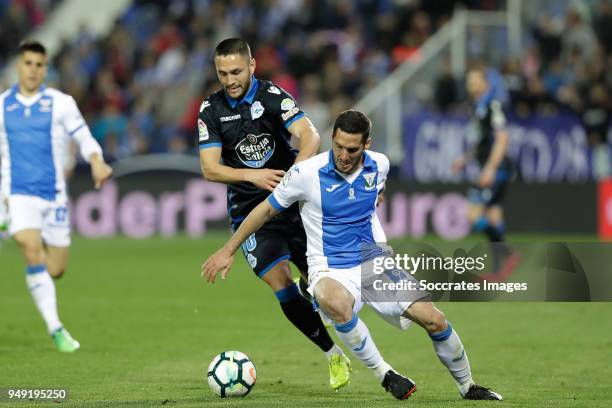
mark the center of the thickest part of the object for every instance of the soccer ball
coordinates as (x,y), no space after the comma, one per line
(231,374)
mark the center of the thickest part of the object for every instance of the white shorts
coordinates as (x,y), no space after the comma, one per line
(350,279)
(50,217)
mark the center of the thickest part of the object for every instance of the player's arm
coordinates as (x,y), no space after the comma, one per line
(221,261)
(90,149)
(214,170)
(289,190)
(310,141)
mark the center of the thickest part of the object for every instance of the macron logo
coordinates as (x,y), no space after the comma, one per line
(332,188)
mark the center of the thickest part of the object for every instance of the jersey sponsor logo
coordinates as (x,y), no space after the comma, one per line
(255,151)
(274,90)
(204,105)
(332,188)
(287,104)
(369,181)
(257,110)
(351,195)
(290,113)
(202,130)
(229,118)
(12,107)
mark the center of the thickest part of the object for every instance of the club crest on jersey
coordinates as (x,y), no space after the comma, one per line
(45,105)
(202,130)
(254,151)
(274,90)
(257,110)
(370,180)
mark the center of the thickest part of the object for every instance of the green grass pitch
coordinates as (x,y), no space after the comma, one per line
(149,326)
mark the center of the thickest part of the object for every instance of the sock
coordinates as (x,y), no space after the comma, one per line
(495,233)
(334,350)
(42,289)
(481,224)
(451,353)
(300,312)
(356,336)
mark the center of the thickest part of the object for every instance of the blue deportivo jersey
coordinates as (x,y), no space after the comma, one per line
(338,211)
(33,132)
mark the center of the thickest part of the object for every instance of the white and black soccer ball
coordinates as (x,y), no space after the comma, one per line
(231,374)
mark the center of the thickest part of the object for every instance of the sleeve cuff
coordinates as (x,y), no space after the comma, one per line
(207,145)
(293,119)
(274,203)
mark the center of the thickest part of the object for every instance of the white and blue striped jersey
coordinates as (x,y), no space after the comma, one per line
(33,132)
(338,211)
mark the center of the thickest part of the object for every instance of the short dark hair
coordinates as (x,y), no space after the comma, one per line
(353,122)
(231,46)
(32,46)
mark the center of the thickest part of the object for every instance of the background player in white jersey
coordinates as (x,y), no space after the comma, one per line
(34,123)
(338,191)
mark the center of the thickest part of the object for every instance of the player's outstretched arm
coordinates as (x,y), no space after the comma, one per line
(221,261)
(310,141)
(214,170)
(100,170)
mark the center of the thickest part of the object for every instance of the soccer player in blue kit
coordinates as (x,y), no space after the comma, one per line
(338,191)
(244,132)
(35,122)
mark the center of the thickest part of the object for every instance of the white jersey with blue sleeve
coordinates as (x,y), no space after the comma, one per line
(33,132)
(338,211)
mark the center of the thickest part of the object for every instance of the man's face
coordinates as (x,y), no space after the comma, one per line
(234,72)
(348,150)
(476,84)
(31,70)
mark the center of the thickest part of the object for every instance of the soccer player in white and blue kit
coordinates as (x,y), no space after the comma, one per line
(35,122)
(339,190)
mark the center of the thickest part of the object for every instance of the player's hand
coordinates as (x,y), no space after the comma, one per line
(487,177)
(220,261)
(100,171)
(265,179)
(458,164)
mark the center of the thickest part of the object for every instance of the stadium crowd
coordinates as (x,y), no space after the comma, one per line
(140,87)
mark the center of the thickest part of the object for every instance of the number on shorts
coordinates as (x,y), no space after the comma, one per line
(61,214)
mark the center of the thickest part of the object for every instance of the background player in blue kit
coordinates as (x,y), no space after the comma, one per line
(244,132)
(485,211)
(35,122)
(338,191)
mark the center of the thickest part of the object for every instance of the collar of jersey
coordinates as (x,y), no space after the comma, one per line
(31,99)
(248,98)
(368,163)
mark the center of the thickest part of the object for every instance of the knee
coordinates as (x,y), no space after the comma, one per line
(337,309)
(56,272)
(436,321)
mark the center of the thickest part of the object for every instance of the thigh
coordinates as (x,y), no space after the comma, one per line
(56,224)
(265,249)
(349,279)
(296,240)
(25,213)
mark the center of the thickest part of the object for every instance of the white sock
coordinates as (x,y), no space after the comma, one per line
(334,350)
(451,353)
(42,289)
(356,336)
